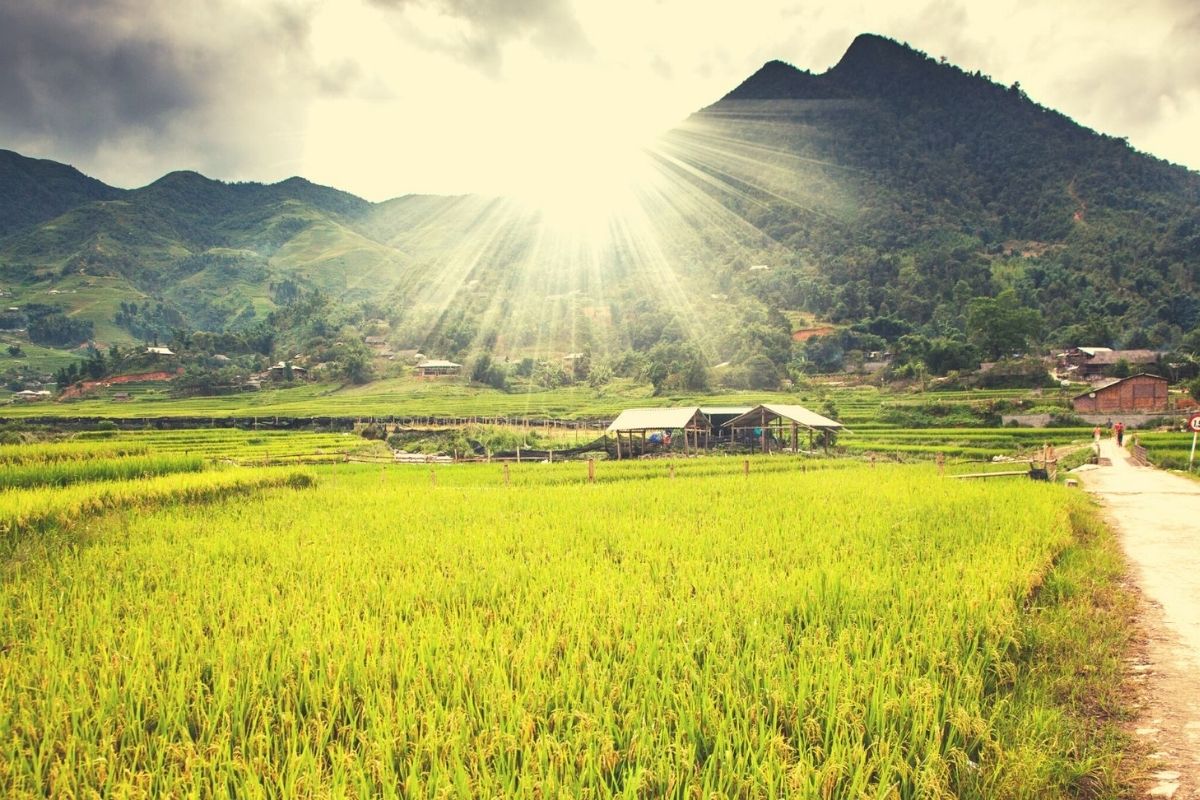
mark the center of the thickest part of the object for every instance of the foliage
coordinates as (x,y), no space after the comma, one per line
(1001,326)
(48,325)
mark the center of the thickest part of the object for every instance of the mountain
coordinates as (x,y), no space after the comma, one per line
(926,176)
(37,190)
(882,196)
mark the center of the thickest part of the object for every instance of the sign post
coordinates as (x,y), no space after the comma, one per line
(1193,425)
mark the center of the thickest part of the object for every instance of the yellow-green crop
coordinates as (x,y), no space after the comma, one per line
(838,633)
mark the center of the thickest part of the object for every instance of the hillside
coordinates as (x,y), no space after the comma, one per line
(907,185)
(884,196)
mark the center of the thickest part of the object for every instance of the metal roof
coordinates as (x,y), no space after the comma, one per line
(798,414)
(645,419)
(437,363)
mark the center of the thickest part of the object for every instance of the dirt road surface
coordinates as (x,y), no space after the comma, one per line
(1157,517)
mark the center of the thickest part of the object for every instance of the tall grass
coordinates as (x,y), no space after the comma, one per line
(64,472)
(850,632)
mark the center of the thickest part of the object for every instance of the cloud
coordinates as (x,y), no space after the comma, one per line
(485,27)
(118,86)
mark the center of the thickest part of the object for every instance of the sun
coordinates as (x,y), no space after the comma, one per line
(580,174)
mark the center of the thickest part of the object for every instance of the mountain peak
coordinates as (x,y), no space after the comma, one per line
(874,64)
(778,80)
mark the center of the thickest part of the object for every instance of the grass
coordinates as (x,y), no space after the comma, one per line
(840,632)
(1170,450)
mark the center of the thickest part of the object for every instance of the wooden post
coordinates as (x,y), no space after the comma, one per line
(591,470)
(618,445)
(518,454)
(433,477)
(941,463)
(672,470)
(795,438)
(506,473)
(746,467)
(872,461)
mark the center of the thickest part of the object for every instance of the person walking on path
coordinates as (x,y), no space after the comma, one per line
(1119,431)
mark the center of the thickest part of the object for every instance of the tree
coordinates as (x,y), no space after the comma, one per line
(761,373)
(15,350)
(1001,326)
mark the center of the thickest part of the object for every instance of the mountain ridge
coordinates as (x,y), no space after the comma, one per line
(889,187)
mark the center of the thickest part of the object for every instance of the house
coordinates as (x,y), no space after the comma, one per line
(433,368)
(1137,393)
(1086,363)
(376,341)
(286,371)
(29,396)
(159,351)
(121,397)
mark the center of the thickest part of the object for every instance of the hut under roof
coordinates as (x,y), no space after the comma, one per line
(763,418)
(633,421)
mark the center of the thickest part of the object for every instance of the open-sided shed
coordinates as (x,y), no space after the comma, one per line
(717,417)
(634,421)
(763,418)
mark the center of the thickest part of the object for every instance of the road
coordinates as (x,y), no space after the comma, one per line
(1157,517)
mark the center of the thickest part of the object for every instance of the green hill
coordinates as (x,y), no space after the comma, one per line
(884,196)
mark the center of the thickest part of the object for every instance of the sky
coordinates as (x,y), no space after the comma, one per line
(390,97)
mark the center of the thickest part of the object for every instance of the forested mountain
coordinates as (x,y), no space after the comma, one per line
(949,186)
(37,190)
(893,196)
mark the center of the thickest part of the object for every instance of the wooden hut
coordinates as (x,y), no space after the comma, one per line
(436,368)
(1137,393)
(768,421)
(635,424)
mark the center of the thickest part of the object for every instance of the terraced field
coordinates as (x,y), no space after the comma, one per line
(814,628)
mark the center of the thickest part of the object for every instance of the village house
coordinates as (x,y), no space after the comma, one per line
(30,396)
(1089,363)
(435,368)
(1141,393)
(284,371)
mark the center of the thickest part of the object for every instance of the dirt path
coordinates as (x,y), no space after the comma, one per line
(1157,516)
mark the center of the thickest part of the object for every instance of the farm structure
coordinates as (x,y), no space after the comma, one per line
(652,422)
(717,417)
(769,422)
(433,368)
(1142,392)
(640,430)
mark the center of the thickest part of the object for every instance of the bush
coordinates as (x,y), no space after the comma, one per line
(1066,419)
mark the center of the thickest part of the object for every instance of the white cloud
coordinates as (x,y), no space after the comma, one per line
(384,97)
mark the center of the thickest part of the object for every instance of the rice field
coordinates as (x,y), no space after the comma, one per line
(1170,450)
(815,628)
